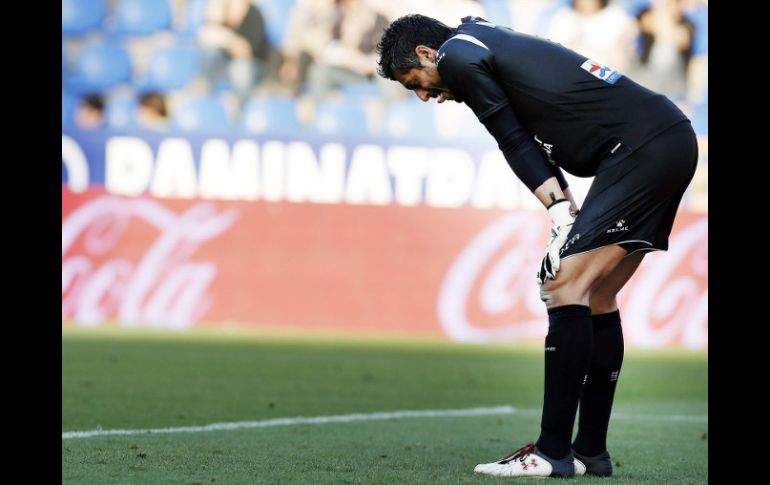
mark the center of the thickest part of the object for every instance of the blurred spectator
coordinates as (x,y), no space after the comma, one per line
(666,47)
(234,44)
(697,72)
(350,56)
(597,29)
(447,11)
(308,31)
(89,114)
(152,112)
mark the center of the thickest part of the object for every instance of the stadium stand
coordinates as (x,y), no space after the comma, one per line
(171,68)
(203,113)
(271,114)
(140,17)
(78,17)
(100,66)
(100,55)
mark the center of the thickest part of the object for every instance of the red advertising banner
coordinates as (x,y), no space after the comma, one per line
(463,273)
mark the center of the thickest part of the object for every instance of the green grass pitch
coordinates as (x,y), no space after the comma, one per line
(113,379)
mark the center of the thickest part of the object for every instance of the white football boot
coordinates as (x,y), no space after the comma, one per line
(528,461)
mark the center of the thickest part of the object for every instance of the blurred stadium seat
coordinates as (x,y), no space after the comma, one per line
(120,112)
(410,118)
(354,92)
(193,17)
(699,16)
(497,11)
(140,17)
(700,117)
(99,67)
(68,102)
(455,122)
(633,7)
(337,117)
(204,113)
(276,13)
(270,115)
(79,17)
(171,68)
(543,18)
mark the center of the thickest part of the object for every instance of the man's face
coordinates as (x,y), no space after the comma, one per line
(425,81)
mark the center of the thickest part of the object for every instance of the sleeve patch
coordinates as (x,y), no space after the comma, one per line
(605,73)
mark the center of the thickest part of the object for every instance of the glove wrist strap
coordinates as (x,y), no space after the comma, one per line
(559,211)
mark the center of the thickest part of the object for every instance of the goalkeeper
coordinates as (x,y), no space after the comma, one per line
(550,108)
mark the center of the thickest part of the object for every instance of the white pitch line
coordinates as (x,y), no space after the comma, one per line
(661,417)
(347,418)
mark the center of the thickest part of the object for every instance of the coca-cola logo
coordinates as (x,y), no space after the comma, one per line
(668,302)
(489,293)
(495,275)
(155,285)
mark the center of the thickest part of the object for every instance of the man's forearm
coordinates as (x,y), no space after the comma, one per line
(549,192)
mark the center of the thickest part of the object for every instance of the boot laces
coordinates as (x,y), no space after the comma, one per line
(520,454)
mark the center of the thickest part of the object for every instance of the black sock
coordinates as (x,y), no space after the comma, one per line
(599,391)
(567,356)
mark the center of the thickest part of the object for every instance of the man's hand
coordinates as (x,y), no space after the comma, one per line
(562,220)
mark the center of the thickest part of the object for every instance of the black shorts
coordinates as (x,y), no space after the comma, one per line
(633,202)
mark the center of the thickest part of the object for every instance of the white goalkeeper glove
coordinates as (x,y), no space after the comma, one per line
(562,220)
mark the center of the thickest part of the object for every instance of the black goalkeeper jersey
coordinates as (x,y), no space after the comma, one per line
(578,110)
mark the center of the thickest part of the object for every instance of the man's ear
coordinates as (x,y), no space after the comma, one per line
(425,52)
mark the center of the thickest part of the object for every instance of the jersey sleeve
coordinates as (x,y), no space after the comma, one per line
(520,151)
(466,67)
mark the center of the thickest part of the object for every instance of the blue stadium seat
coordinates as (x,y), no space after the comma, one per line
(410,118)
(456,123)
(120,113)
(170,68)
(68,102)
(356,91)
(141,17)
(699,16)
(79,17)
(273,114)
(276,13)
(335,117)
(633,7)
(700,117)
(99,67)
(202,114)
(544,17)
(497,11)
(194,17)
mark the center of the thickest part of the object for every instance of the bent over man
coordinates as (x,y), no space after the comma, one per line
(550,108)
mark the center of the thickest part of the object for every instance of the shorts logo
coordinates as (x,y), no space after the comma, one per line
(620,226)
(605,73)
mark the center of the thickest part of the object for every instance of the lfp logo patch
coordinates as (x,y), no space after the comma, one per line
(605,73)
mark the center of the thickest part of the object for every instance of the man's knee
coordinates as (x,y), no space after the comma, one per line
(602,303)
(566,289)
(579,275)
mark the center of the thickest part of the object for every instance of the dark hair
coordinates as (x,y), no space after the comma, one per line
(396,48)
(603,3)
(154,101)
(93,101)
